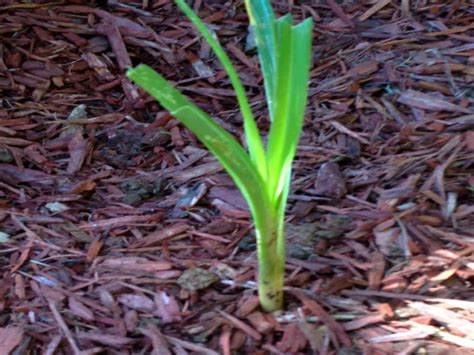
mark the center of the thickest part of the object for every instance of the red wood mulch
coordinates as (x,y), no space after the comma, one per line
(120,234)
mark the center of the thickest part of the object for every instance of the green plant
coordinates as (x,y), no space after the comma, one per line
(263,174)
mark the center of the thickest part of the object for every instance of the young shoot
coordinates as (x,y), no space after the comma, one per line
(262,173)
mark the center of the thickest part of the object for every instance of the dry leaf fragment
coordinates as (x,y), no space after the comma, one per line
(429,102)
(17,175)
(138,302)
(388,241)
(167,308)
(160,344)
(134,264)
(293,340)
(259,322)
(115,341)
(374,9)
(450,319)
(79,309)
(10,337)
(415,333)
(77,151)
(363,321)
(377,271)
(469,138)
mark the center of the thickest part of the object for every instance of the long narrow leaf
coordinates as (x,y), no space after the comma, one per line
(222,144)
(291,96)
(301,51)
(262,19)
(283,96)
(254,141)
(280,213)
(262,176)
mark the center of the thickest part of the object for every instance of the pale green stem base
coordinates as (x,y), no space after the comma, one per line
(271,268)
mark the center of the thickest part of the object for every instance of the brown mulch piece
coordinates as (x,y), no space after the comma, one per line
(120,234)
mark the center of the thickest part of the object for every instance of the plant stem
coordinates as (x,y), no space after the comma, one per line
(271,262)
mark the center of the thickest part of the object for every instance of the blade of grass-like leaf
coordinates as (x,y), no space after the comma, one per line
(280,212)
(283,92)
(221,143)
(301,50)
(262,19)
(292,92)
(254,141)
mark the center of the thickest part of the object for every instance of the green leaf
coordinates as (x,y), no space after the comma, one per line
(294,48)
(262,19)
(254,141)
(221,143)
(262,177)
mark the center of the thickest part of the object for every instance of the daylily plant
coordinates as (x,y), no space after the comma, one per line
(263,173)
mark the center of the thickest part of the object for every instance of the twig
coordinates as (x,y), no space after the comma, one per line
(190,346)
(64,328)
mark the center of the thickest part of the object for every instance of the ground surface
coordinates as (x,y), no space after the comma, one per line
(120,234)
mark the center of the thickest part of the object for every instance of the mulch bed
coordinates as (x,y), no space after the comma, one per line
(121,234)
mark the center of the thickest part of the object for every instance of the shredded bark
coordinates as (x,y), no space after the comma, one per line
(106,201)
